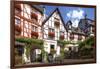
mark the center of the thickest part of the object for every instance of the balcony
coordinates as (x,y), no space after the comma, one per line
(61,37)
(51,34)
(34,34)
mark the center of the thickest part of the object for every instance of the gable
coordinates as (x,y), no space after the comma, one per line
(55,13)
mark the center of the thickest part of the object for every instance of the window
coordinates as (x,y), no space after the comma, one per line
(61,32)
(34,28)
(17,21)
(57,22)
(51,30)
(51,33)
(34,16)
(71,36)
(79,37)
(26,25)
(17,11)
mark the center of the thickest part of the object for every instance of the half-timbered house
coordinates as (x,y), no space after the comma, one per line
(28,20)
(53,29)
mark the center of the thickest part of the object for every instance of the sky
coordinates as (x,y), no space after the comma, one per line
(72,13)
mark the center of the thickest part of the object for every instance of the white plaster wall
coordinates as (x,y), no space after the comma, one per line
(47,44)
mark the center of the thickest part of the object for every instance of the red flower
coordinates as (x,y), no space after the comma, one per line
(52,34)
(34,34)
(61,36)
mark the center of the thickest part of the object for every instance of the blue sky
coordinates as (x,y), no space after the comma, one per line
(72,13)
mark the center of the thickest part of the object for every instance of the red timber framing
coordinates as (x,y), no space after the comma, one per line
(25,20)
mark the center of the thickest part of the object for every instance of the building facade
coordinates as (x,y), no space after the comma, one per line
(31,22)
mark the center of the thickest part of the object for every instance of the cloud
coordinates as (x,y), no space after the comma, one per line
(75,16)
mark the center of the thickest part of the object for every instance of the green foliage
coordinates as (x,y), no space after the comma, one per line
(28,48)
(30,41)
(85,47)
(52,51)
(88,42)
(62,42)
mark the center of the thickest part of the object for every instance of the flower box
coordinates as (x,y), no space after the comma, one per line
(52,34)
(34,34)
(62,37)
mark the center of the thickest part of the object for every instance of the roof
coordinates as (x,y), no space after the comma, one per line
(51,15)
(39,8)
(83,25)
